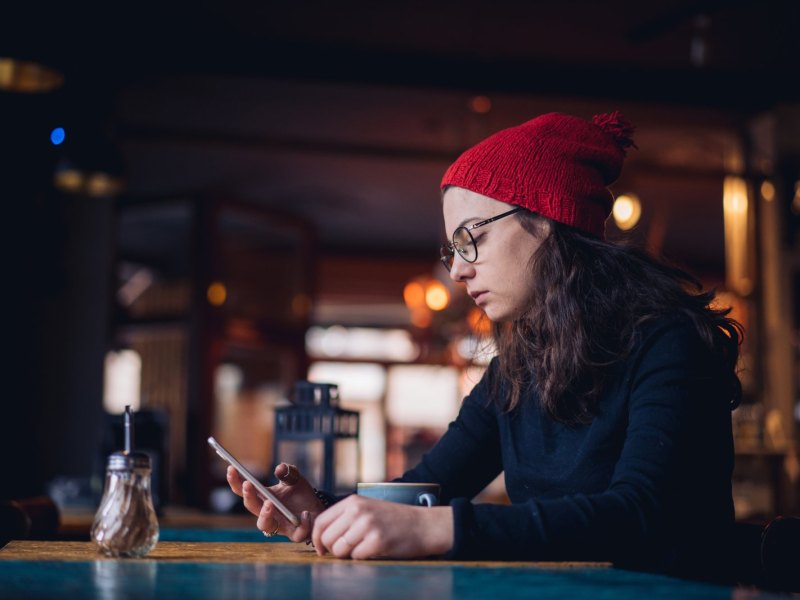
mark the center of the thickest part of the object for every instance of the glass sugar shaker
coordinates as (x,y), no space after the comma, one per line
(125,524)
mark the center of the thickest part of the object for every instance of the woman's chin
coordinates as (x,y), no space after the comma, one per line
(501,314)
(495,314)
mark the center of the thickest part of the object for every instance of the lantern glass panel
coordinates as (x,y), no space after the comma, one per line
(319,437)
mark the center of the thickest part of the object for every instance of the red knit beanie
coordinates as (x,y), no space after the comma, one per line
(556,165)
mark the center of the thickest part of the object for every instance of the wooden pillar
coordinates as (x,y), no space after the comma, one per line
(203,355)
(776,161)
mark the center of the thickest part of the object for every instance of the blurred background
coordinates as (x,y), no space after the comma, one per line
(206,202)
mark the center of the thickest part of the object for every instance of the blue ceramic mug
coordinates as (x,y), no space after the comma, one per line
(417,494)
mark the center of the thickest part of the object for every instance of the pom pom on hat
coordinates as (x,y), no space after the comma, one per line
(618,127)
(556,165)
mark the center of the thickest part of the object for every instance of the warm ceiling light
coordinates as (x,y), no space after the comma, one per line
(96,185)
(734,196)
(103,185)
(436,295)
(627,211)
(414,294)
(480,105)
(69,180)
(738,237)
(216,294)
(767,190)
(28,77)
(89,169)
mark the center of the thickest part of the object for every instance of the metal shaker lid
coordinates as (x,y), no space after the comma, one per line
(126,461)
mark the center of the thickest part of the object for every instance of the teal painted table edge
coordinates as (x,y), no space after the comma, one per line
(338,579)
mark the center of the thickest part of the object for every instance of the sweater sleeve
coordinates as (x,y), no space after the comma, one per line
(468,456)
(664,384)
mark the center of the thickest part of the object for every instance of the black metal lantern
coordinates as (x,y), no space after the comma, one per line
(318,437)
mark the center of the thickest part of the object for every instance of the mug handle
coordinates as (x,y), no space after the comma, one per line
(426,499)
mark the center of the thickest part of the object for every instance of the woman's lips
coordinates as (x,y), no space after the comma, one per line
(478,297)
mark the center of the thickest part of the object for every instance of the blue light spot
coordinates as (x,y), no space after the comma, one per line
(57,135)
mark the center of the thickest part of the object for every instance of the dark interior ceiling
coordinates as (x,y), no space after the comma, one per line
(345,114)
(642,50)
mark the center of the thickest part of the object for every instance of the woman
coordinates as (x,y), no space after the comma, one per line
(608,404)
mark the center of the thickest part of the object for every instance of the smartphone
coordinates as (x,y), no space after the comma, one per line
(263,492)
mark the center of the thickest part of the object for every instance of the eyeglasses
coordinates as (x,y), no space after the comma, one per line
(464,243)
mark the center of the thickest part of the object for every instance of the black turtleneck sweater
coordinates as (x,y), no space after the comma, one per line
(646,484)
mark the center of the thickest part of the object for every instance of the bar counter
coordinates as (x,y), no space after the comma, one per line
(273,569)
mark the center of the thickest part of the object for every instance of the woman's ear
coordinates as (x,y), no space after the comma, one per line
(538,226)
(544,228)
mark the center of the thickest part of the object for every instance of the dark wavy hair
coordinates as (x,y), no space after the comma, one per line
(591,299)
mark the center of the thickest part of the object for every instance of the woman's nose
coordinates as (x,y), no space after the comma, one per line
(461,269)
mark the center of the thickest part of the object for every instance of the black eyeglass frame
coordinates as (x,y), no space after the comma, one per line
(448,249)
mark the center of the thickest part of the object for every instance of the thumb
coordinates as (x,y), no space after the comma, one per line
(287,474)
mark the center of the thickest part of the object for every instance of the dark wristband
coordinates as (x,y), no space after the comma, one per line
(325,499)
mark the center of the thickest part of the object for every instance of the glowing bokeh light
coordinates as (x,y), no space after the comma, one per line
(627,211)
(480,104)
(436,296)
(57,136)
(27,77)
(216,294)
(414,294)
(767,190)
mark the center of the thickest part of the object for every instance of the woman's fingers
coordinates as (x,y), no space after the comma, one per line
(342,528)
(303,531)
(330,535)
(369,546)
(292,489)
(321,525)
(252,500)
(234,480)
(353,542)
(295,490)
(267,518)
(362,528)
(287,474)
(272,521)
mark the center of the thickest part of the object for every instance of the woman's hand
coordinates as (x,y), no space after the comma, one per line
(361,528)
(293,490)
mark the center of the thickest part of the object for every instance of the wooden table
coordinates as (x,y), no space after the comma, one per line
(74,570)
